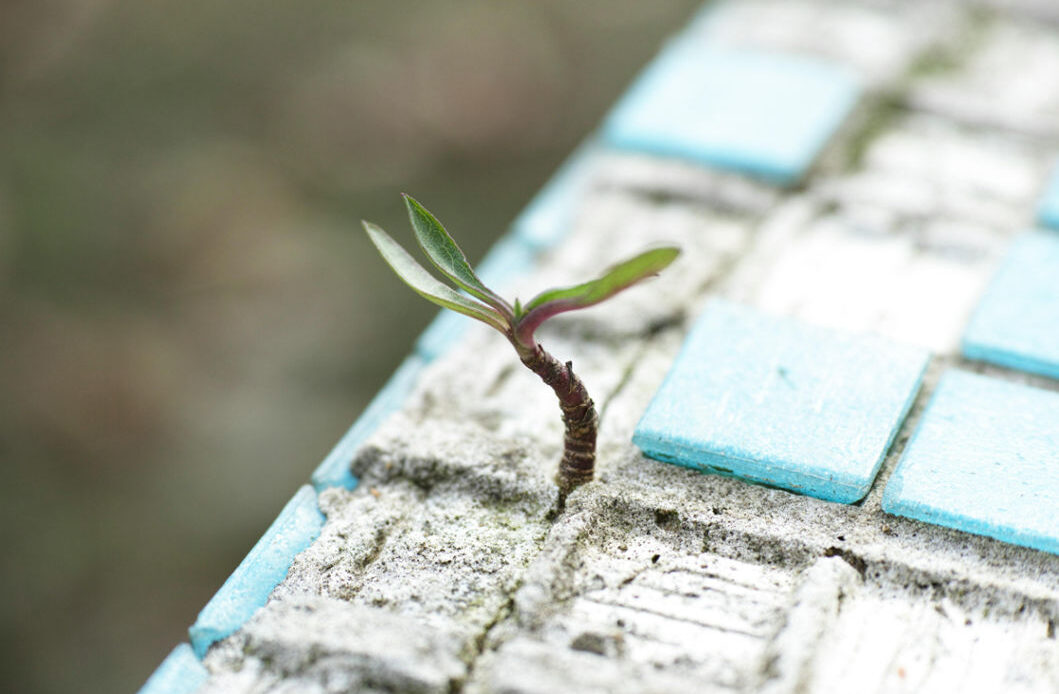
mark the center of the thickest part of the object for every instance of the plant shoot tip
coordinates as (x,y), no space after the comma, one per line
(518,323)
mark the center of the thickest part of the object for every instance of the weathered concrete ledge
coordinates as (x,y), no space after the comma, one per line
(446,567)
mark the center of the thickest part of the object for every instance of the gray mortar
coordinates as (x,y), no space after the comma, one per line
(994,82)
(448,570)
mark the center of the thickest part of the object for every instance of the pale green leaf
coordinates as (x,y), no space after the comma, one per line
(617,278)
(447,256)
(426,285)
(621,276)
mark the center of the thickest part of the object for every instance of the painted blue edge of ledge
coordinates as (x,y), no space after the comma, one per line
(248,588)
(334,471)
(1048,211)
(635,124)
(180,673)
(913,493)
(547,219)
(509,258)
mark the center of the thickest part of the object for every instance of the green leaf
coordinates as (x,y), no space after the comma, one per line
(447,256)
(619,277)
(426,285)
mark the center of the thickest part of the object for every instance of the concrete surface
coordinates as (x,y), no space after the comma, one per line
(776,401)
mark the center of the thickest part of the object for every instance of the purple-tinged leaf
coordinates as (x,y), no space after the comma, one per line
(619,277)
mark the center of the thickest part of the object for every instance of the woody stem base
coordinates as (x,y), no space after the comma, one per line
(577,465)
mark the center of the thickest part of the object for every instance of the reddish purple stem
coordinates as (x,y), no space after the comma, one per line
(579,416)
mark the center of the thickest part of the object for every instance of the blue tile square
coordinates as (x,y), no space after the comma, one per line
(1016,324)
(180,673)
(754,112)
(1048,212)
(778,402)
(248,588)
(985,460)
(508,259)
(334,471)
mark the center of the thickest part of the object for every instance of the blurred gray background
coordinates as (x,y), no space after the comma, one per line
(190,314)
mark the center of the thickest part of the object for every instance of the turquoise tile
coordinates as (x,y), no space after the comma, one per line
(1016,324)
(443,332)
(248,588)
(180,673)
(778,402)
(985,460)
(702,21)
(753,112)
(551,213)
(1048,212)
(508,259)
(334,471)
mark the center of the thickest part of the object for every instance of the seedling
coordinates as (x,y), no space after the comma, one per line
(518,322)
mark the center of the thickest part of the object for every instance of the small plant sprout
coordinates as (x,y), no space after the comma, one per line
(519,322)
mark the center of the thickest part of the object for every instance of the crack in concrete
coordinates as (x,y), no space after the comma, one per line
(481,641)
(743,540)
(666,615)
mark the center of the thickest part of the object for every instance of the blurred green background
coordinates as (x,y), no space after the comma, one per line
(191,316)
